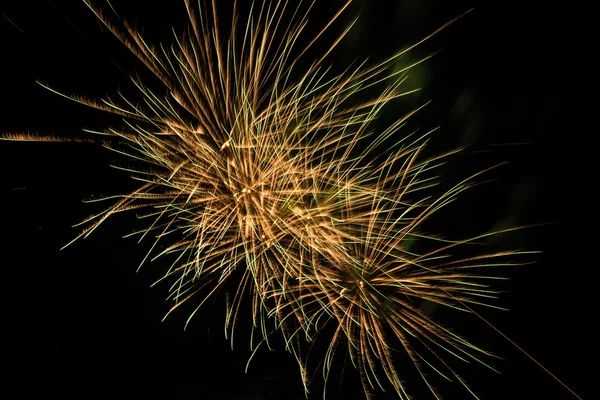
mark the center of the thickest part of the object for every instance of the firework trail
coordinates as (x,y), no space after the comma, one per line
(254,168)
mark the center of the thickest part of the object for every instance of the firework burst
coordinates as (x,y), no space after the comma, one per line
(271,173)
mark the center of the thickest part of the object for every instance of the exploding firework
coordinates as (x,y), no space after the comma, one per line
(257,167)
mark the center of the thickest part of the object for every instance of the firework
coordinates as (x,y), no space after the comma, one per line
(270,173)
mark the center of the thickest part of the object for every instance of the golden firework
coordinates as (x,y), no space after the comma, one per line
(270,172)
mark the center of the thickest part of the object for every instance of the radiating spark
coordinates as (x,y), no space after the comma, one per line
(271,174)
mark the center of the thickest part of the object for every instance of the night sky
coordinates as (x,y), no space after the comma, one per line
(81,323)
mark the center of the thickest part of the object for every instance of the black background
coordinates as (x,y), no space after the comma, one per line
(512,82)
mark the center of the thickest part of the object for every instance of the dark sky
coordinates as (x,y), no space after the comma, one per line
(81,323)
